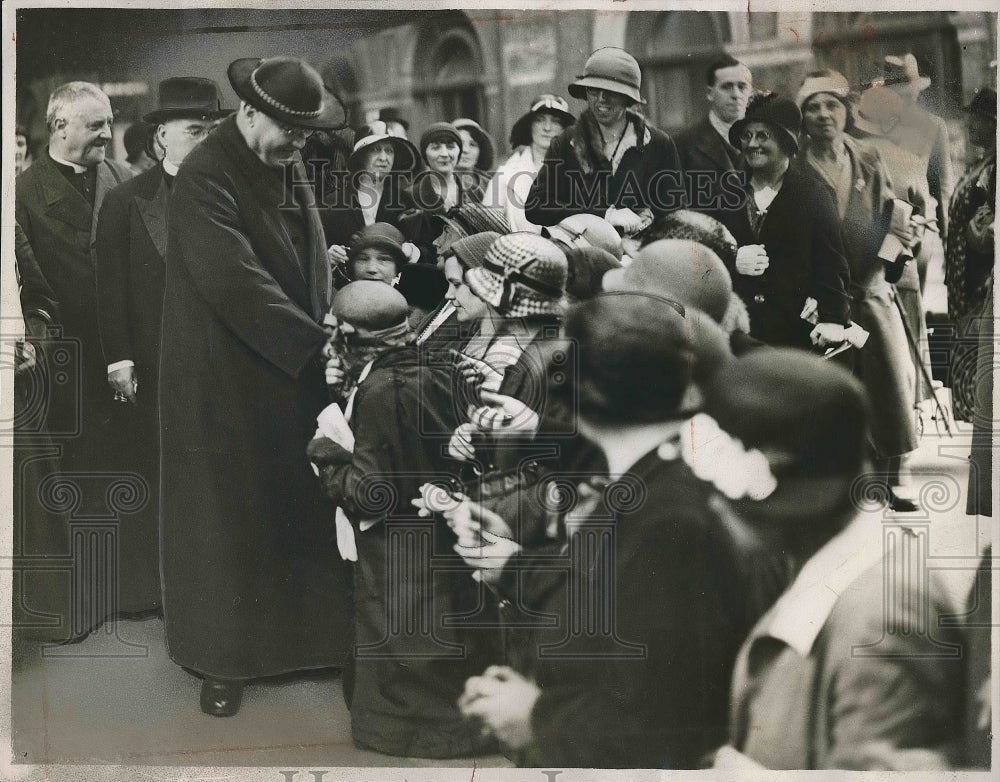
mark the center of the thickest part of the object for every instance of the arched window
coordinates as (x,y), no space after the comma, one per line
(451,77)
(673,49)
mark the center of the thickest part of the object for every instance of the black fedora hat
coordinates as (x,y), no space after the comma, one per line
(187,97)
(288,90)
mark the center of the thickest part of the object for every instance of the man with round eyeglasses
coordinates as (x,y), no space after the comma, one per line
(252,582)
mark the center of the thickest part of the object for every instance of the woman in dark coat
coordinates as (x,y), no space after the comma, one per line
(437,190)
(252,585)
(377,171)
(790,268)
(857,181)
(611,162)
(636,672)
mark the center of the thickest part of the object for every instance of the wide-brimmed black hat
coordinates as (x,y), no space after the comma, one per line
(393,114)
(520,133)
(187,97)
(779,112)
(406,154)
(288,90)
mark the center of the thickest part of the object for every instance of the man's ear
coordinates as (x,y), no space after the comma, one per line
(59,123)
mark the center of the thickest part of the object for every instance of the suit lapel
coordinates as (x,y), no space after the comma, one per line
(105,181)
(714,148)
(63,201)
(154,216)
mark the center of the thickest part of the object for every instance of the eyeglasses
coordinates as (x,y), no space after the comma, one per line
(762,136)
(294,132)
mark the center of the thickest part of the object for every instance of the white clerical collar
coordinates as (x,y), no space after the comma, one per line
(721,127)
(77,168)
(169,167)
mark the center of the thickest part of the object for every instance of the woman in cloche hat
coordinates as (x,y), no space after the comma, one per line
(612,162)
(378,169)
(789,269)
(530,138)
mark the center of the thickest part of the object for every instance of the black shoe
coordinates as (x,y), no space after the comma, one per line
(902,504)
(221,697)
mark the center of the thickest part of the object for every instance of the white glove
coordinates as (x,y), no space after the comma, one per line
(752,260)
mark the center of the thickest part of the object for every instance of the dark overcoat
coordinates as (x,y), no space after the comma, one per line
(131,242)
(342,221)
(61,228)
(417,604)
(576,177)
(801,234)
(652,604)
(252,582)
(713,170)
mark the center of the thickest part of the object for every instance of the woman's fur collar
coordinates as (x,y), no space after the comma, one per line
(585,139)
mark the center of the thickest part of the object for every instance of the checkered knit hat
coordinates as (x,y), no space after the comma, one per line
(523,274)
(471,250)
(471,219)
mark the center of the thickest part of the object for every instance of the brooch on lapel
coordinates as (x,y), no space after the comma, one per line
(860,184)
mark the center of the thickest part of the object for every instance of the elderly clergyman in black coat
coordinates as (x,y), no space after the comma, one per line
(57,201)
(131,243)
(252,582)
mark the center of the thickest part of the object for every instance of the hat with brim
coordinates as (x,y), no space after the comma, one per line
(381,236)
(833,83)
(288,90)
(904,73)
(405,154)
(520,133)
(611,69)
(522,275)
(187,97)
(471,219)
(774,111)
(487,148)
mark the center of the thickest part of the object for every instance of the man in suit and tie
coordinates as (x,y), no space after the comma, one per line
(713,167)
(131,245)
(57,201)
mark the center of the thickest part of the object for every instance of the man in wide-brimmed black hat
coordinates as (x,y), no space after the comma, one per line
(131,243)
(252,585)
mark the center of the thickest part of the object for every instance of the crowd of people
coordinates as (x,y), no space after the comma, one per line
(561,456)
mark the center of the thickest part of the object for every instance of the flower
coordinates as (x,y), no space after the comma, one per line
(860,184)
(718,458)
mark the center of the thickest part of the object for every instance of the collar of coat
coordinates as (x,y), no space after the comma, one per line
(586,140)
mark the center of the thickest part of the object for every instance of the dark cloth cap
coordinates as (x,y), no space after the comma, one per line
(369,305)
(808,416)
(422,285)
(381,235)
(779,112)
(471,250)
(635,358)
(288,90)
(187,97)
(439,131)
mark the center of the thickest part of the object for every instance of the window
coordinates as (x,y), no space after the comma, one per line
(673,49)
(451,84)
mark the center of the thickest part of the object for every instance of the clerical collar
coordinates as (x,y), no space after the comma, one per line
(169,167)
(77,168)
(721,127)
